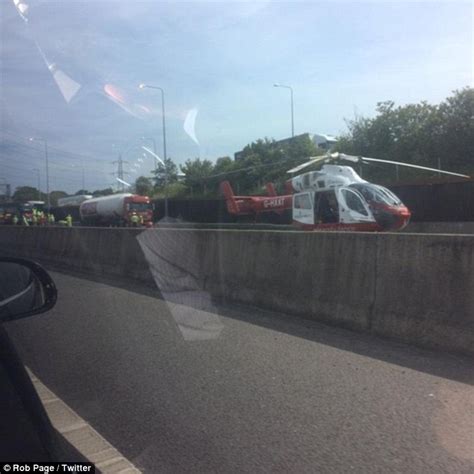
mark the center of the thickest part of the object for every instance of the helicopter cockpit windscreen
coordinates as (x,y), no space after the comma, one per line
(354,202)
(378,194)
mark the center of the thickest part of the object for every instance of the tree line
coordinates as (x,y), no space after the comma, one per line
(435,136)
(432,135)
(259,162)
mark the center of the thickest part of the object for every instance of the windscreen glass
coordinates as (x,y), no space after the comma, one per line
(354,202)
(377,194)
(140,206)
(272,308)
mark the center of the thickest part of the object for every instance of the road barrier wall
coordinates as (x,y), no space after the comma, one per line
(101,251)
(417,288)
(440,227)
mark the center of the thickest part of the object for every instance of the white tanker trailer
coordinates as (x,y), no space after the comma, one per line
(74,200)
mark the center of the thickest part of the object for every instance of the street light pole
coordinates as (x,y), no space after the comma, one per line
(83,175)
(48,199)
(292,107)
(143,86)
(39,182)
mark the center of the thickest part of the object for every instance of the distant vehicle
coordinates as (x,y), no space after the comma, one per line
(117,210)
(38,205)
(74,200)
(20,209)
(7,211)
(334,198)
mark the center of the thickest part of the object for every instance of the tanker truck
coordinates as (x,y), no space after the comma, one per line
(75,200)
(116,210)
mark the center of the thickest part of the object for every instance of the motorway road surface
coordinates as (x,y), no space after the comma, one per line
(240,390)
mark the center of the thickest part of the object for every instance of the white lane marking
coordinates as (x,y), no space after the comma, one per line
(80,434)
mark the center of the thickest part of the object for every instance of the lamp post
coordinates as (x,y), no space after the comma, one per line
(147,86)
(7,189)
(83,177)
(292,109)
(32,139)
(37,171)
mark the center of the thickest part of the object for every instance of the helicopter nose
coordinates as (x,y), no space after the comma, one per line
(401,218)
(392,218)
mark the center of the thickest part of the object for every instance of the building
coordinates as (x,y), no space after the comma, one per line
(5,191)
(324,141)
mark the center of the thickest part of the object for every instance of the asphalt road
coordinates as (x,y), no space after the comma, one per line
(237,390)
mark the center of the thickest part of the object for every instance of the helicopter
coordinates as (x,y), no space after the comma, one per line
(334,198)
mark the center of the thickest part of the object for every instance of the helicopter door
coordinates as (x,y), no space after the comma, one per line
(326,207)
(303,208)
(353,207)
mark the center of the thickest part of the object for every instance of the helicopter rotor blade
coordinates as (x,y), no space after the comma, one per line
(313,160)
(352,158)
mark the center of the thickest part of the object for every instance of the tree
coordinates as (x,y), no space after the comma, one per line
(55,195)
(456,132)
(173,190)
(267,160)
(223,164)
(169,173)
(262,161)
(423,134)
(196,171)
(143,186)
(81,192)
(27,193)
(103,192)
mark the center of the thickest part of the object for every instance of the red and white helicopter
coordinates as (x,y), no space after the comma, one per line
(333,198)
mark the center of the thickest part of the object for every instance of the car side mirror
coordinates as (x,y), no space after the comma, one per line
(25,289)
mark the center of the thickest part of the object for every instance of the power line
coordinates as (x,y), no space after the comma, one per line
(23,172)
(129,146)
(282,161)
(27,169)
(76,156)
(36,150)
(60,167)
(52,148)
(62,182)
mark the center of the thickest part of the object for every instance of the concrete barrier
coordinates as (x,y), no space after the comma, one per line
(101,251)
(417,288)
(440,227)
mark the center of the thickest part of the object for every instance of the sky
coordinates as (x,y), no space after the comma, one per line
(70,72)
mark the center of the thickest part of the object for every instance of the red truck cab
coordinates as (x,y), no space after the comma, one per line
(142,206)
